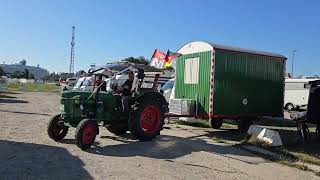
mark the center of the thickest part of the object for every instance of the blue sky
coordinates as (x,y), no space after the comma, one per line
(108,30)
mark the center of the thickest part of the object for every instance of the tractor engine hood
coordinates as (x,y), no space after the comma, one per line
(73,93)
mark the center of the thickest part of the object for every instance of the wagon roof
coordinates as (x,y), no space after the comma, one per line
(244,50)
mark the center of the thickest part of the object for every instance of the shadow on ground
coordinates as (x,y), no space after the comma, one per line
(167,147)
(33,161)
(22,112)
(7,97)
(292,141)
(12,100)
(9,92)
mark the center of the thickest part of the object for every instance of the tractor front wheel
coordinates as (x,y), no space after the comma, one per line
(56,129)
(86,133)
(146,120)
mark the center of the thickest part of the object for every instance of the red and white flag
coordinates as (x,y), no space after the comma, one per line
(157,59)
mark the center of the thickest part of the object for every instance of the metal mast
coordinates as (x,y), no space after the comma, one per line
(71,69)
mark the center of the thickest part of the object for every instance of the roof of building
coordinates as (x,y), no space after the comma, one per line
(244,50)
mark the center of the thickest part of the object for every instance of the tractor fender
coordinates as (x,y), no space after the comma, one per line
(155,96)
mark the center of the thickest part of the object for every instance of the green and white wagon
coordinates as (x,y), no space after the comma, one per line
(220,82)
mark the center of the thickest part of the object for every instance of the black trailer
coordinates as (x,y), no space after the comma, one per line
(311,115)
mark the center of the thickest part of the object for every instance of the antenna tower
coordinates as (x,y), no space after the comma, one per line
(71,68)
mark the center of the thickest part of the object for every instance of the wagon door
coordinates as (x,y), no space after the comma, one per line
(193,81)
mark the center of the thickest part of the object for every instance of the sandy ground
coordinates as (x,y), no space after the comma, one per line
(181,152)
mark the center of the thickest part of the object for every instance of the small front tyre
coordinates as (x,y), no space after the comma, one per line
(56,129)
(86,133)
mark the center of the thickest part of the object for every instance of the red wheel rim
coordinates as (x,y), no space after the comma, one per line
(89,133)
(150,119)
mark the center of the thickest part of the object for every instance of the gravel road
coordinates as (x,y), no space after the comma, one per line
(181,152)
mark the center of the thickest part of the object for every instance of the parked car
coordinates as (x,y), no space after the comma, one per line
(167,89)
(69,83)
(296,93)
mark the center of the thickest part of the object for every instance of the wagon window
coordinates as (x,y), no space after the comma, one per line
(191,71)
(294,86)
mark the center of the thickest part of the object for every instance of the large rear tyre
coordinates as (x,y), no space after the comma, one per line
(146,120)
(86,133)
(216,123)
(56,129)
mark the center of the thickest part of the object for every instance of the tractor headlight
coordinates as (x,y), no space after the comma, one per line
(61,107)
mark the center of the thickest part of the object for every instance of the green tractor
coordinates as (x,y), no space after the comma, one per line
(141,113)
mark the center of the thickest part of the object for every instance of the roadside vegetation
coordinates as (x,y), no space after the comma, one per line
(30,87)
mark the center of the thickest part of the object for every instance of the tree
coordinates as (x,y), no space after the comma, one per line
(23,62)
(31,76)
(138,60)
(2,73)
(143,60)
(80,73)
(17,74)
(26,73)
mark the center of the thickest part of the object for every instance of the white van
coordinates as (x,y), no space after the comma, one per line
(167,89)
(296,93)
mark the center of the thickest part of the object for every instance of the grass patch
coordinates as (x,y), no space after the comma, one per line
(295,165)
(31,87)
(228,126)
(218,140)
(307,158)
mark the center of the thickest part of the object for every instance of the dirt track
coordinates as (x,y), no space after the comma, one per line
(181,152)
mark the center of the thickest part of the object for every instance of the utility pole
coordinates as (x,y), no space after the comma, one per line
(71,68)
(293,51)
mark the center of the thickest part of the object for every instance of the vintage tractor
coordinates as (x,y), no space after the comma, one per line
(141,113)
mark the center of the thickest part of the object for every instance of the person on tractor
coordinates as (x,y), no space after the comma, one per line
(99,81)
(125,90)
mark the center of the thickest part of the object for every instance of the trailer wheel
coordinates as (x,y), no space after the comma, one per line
(216,123)
(56,129)
(289,107)
(86,133)
(244,124)
(146,120)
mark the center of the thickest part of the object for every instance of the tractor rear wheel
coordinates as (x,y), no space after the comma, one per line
(86,133)
(146,120)
(56,129)
(216,123)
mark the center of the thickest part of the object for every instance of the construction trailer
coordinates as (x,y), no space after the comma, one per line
(219,82)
